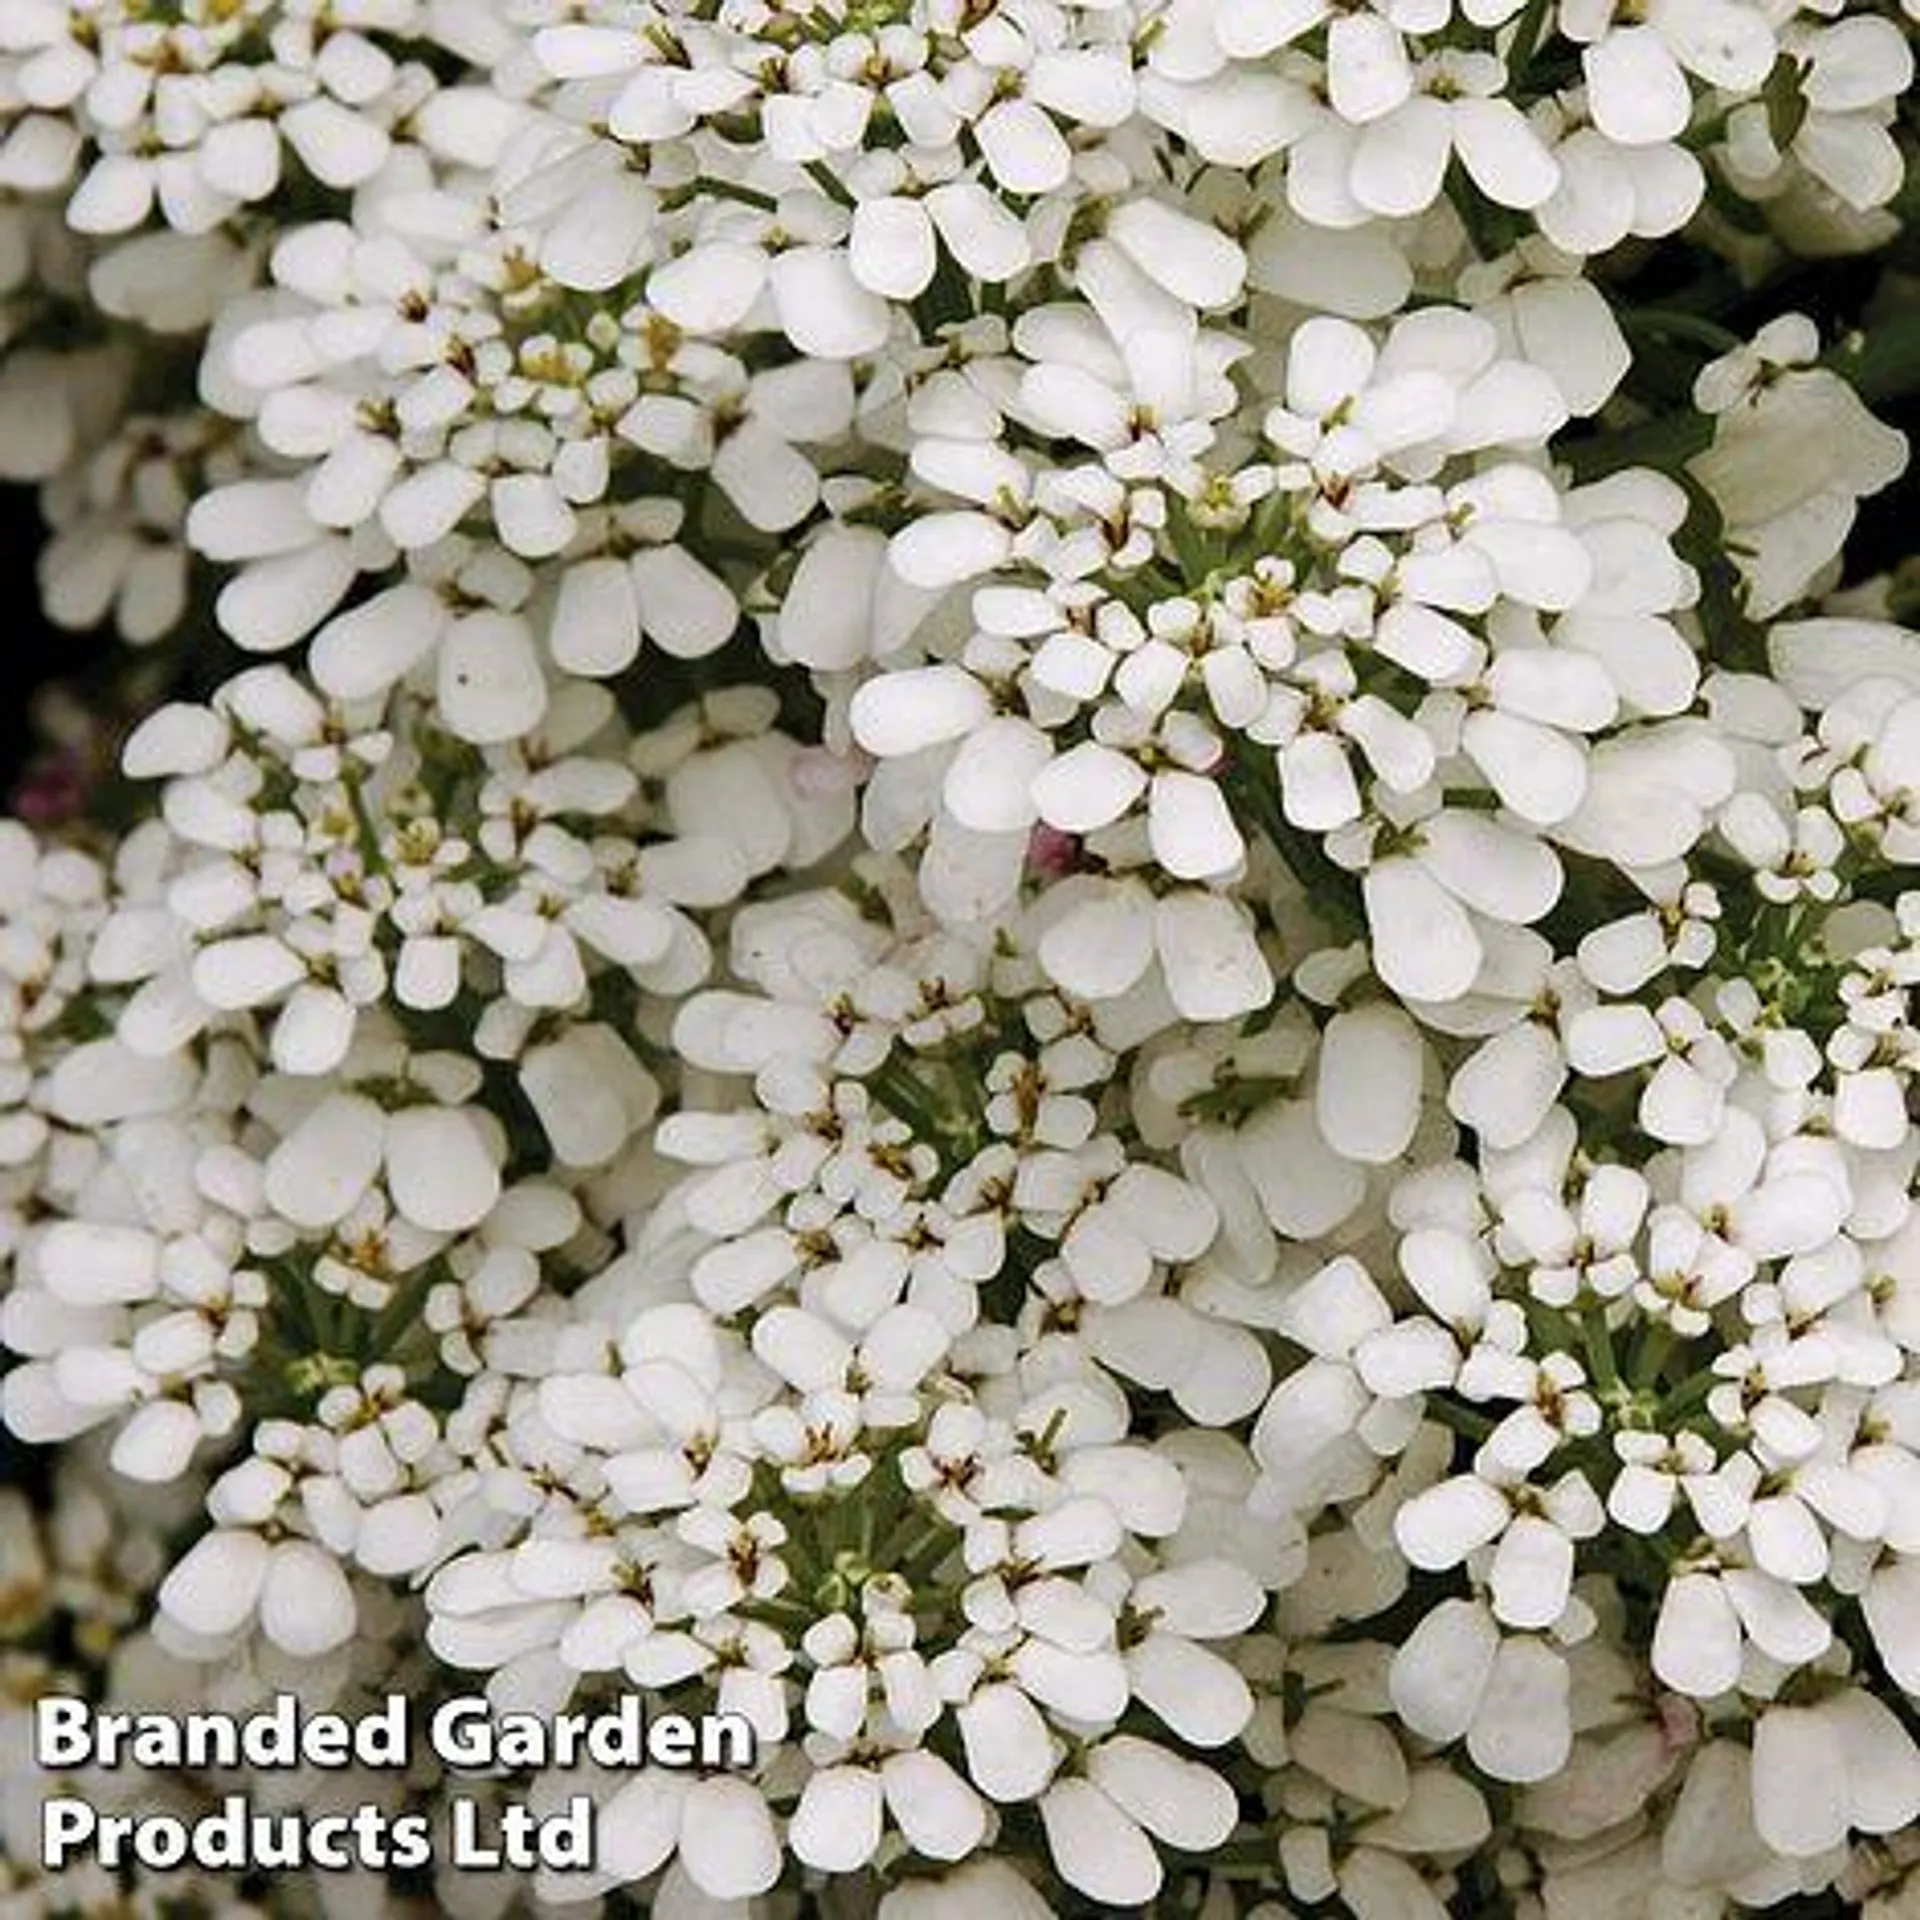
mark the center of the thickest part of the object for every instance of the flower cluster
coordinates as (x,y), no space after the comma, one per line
(1026,884)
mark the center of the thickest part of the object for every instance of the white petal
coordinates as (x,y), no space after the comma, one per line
(1523,1731)
(1087,787)
(314,1030)
(1440,1670)
(1818,660)
(1532,1573)
(827,618)
(1191,259)
(1883,1767)
(426,506)
(1539,773)
(1891,1605)
(600,236)
(115,197)
(1195,1693)
(710,288)
(1367,1094)
(213,1588)
(531,517)
(1424,946)
(1439,1528)
(1101,946)
(836,1826)
(1367,68)
(1009,1751)
(319,1172)
(901,713)
(157,1443)
(341,149)
(936,1811)
(1210,956)
(1096,1848)
(596,620)
(1503,1092)
(306,1606)
(1786,1540)
(365,651)
(1636,93)
(581,1087)
(1696,1640)
(640,1825)
(727,1841)
(1401,159)
(1799,1782)
(1318,790)
(1725,43)
(1504,155)
(1496,870)
(942,549)
(490,685)
(1305,1188)
(94,1264)
(989,786)
(982,234)
(892,248)
(1022,147)
(274,602)
(1191,829)
(1779,1619)
(247,971)
(686,609)
(772,485)
(176,739)
(439,1169)
(823,309)
(1417,1356)
(1179,1801)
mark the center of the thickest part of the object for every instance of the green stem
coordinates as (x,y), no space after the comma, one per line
(829,182)
(1598,1342)
(367,833)
(1525,47)
(1688,1395)
(1650,1354)
(1666,323)
(1475,1426)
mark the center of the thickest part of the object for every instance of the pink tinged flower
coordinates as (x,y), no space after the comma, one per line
(1052,853)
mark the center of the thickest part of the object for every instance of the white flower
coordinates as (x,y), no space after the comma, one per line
(1789,517)
(1386,153)
(1638,73)
(1823,1770)
(1456,1675)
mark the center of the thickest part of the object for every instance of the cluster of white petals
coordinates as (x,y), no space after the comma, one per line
(1033,885)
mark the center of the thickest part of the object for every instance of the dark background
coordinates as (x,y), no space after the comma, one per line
(35,651)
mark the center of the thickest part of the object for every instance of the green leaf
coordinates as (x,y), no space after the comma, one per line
(1786,101)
